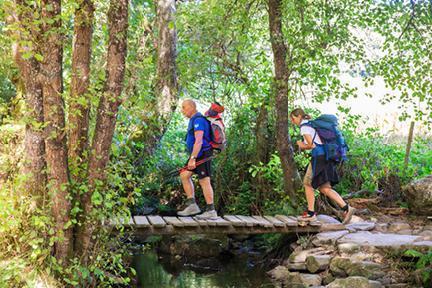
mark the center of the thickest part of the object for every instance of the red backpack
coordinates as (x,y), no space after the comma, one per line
(217,131)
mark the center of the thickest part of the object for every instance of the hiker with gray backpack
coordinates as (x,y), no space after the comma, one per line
(323,137)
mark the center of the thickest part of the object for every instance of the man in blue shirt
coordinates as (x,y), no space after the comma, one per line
(198,145)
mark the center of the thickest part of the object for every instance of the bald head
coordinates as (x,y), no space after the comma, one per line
(189,108)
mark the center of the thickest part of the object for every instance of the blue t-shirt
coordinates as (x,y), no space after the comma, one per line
(198,123)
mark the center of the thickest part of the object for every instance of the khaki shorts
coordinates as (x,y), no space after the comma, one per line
(307,180)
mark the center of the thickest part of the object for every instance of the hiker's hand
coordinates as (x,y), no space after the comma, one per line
(191,164)
(300,144)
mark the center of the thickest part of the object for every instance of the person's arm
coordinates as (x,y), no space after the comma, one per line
(307,144)
(196,148)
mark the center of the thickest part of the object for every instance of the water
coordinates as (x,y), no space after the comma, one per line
(238,272)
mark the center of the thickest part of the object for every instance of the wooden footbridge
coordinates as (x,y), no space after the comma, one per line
(142,226)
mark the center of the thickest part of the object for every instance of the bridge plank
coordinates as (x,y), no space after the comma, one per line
(276,222)
(219,221)
(263,222)
(173,221)
(287,220)
(188,221)
(203,222)
(249,220)
(141,221)
(234,220)
(156,221)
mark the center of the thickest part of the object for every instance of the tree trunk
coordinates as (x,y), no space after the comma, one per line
(107,111)
(166,85)
(408,146)
(160,111)
(34,164)
(262,152)
(283,141)
(80,104)
(262,135)
(55,140)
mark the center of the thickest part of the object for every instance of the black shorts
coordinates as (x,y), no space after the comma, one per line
(204,170)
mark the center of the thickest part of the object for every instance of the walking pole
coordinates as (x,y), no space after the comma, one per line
(184,168)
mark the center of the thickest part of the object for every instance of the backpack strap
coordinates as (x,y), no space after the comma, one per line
(193,125)
(310,125)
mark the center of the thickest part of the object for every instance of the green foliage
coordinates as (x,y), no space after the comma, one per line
(423,263)
(224,54)
(405,29)
(370,159)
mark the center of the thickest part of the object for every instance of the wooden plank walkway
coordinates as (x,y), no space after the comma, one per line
(142,226)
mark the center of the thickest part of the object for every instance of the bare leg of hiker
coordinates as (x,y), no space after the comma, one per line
(327,190)
(207,188)
(191,206)
(186,179)
(310,197)
(308,215)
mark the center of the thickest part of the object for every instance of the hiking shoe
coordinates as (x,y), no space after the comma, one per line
(348,215)
(306,218)
(190,210)
(208,215)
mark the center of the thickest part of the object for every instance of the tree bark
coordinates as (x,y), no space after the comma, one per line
(262,135)
(408,146)
(283,141)
(159,112)
(55,140)
(80,104)
(34,145)
(166,85)
(107,112)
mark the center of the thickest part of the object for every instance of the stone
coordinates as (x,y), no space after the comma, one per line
(350,282)
(279,273)
(375,284)
(317,263)
(365,238)
(366,269)
(339,265)
(300,256)
(418,195)
(342,266)
(327,219)
(326,238)
(426,235)
(310,279)
(423,244)
(327,277)
(356,219)
(405,232)
(398,226)
(348,248)
(362,256)
(361,226)
(296,266)
(381,227)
